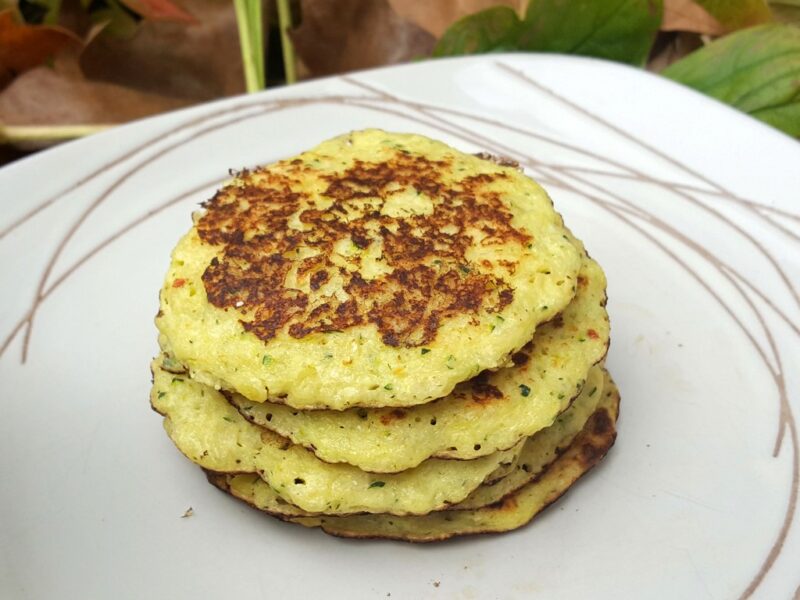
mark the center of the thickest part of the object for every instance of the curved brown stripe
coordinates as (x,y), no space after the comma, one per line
(668,158)
(102,197)
(791,508)
(537,165)
(755,206)
(68,189)
(692,188)
(96,249)
(777,546)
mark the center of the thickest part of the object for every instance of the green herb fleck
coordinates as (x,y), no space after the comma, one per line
(377,484)
(561,396)
(594,389)
(228,419)
(425,351)
(162,394)
(545,307)
(524,390)
(266,360)
(177,380)
(388,386)
(464,269)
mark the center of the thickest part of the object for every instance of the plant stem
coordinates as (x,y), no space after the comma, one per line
(285,23)
(13,134)
(251,40)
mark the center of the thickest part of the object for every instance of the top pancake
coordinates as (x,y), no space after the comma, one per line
(375,270)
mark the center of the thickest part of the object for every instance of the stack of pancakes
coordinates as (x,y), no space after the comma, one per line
(386,337)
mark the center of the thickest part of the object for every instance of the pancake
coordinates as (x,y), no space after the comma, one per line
(211,433)
(481,416)
(543,448)
(513,511)
(375,270)
(537,453)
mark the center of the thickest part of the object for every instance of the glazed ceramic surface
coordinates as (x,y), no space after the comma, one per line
(690,207)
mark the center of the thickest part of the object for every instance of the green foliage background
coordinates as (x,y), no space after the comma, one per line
(755,67)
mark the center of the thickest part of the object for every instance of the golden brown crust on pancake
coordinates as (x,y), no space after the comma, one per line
(429,277)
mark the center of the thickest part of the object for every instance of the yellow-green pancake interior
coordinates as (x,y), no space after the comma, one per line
(513,511)
(211,433)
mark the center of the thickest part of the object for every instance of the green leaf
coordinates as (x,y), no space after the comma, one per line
(492,30)
(120,22)
(756,70)
(621,30)
(736,14)
(786,11)
(45,12)
(251,40)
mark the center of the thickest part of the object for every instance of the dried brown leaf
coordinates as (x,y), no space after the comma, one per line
(671,46)
(436,17)
(160,10)
(24,46)
(198,63)
(61,95)
(347,35)
(686,15)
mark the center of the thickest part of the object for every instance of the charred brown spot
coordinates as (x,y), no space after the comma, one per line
(557,321)
(394,415)
(503,161)
(601,423)
(590,454)
(507,503)
(582,281)
(318,279)
(520,358)
(428,278)
(483,392)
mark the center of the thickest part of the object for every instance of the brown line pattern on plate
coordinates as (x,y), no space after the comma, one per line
(755,206)
(538,165)
(693,188)
(29,318)
(296,102)
(669,159)
(100,246)
(785,412)
(634,173)
(688,188)
(54,197)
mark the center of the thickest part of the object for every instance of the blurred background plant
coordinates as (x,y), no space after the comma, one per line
(71,67)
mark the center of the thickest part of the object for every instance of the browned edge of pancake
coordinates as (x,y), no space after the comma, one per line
(438,455)
(588,448)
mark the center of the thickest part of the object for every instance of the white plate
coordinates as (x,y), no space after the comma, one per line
(691,208)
